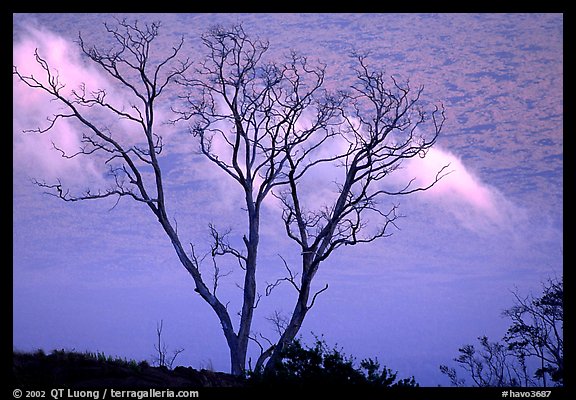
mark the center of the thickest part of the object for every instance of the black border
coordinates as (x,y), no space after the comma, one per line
(438,6)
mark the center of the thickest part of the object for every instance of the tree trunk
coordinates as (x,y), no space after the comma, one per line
(298,314)
(237,353)
(249,279)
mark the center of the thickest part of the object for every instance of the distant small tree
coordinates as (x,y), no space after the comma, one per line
(536,333)
(162,359)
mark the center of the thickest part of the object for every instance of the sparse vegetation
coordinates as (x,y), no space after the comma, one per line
(74,357)
(77,369)
(301,366)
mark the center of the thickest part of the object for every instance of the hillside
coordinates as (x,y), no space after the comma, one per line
(72,369)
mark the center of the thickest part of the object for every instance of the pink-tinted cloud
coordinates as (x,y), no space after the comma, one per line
(459,182)
(476,205)
(34,152)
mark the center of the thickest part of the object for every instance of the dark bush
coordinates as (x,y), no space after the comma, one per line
(317,365)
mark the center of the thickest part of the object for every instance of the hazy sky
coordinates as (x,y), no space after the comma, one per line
(91,276)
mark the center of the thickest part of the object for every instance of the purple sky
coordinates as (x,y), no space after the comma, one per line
(88,276)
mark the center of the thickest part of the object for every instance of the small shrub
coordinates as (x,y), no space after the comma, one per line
(318,365)
(39,354)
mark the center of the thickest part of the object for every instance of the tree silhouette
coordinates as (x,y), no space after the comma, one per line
(269,126)
(493,365)
(536,333)
(537,330)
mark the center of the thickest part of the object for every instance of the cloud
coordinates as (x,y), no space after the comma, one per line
(477,205)
(34,152)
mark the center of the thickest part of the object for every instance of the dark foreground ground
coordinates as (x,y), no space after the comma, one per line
(69,369)
(60,370)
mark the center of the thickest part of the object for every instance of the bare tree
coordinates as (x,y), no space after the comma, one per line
(162,358)
(276,122)
(380,127)
(251,109)
(269,126)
